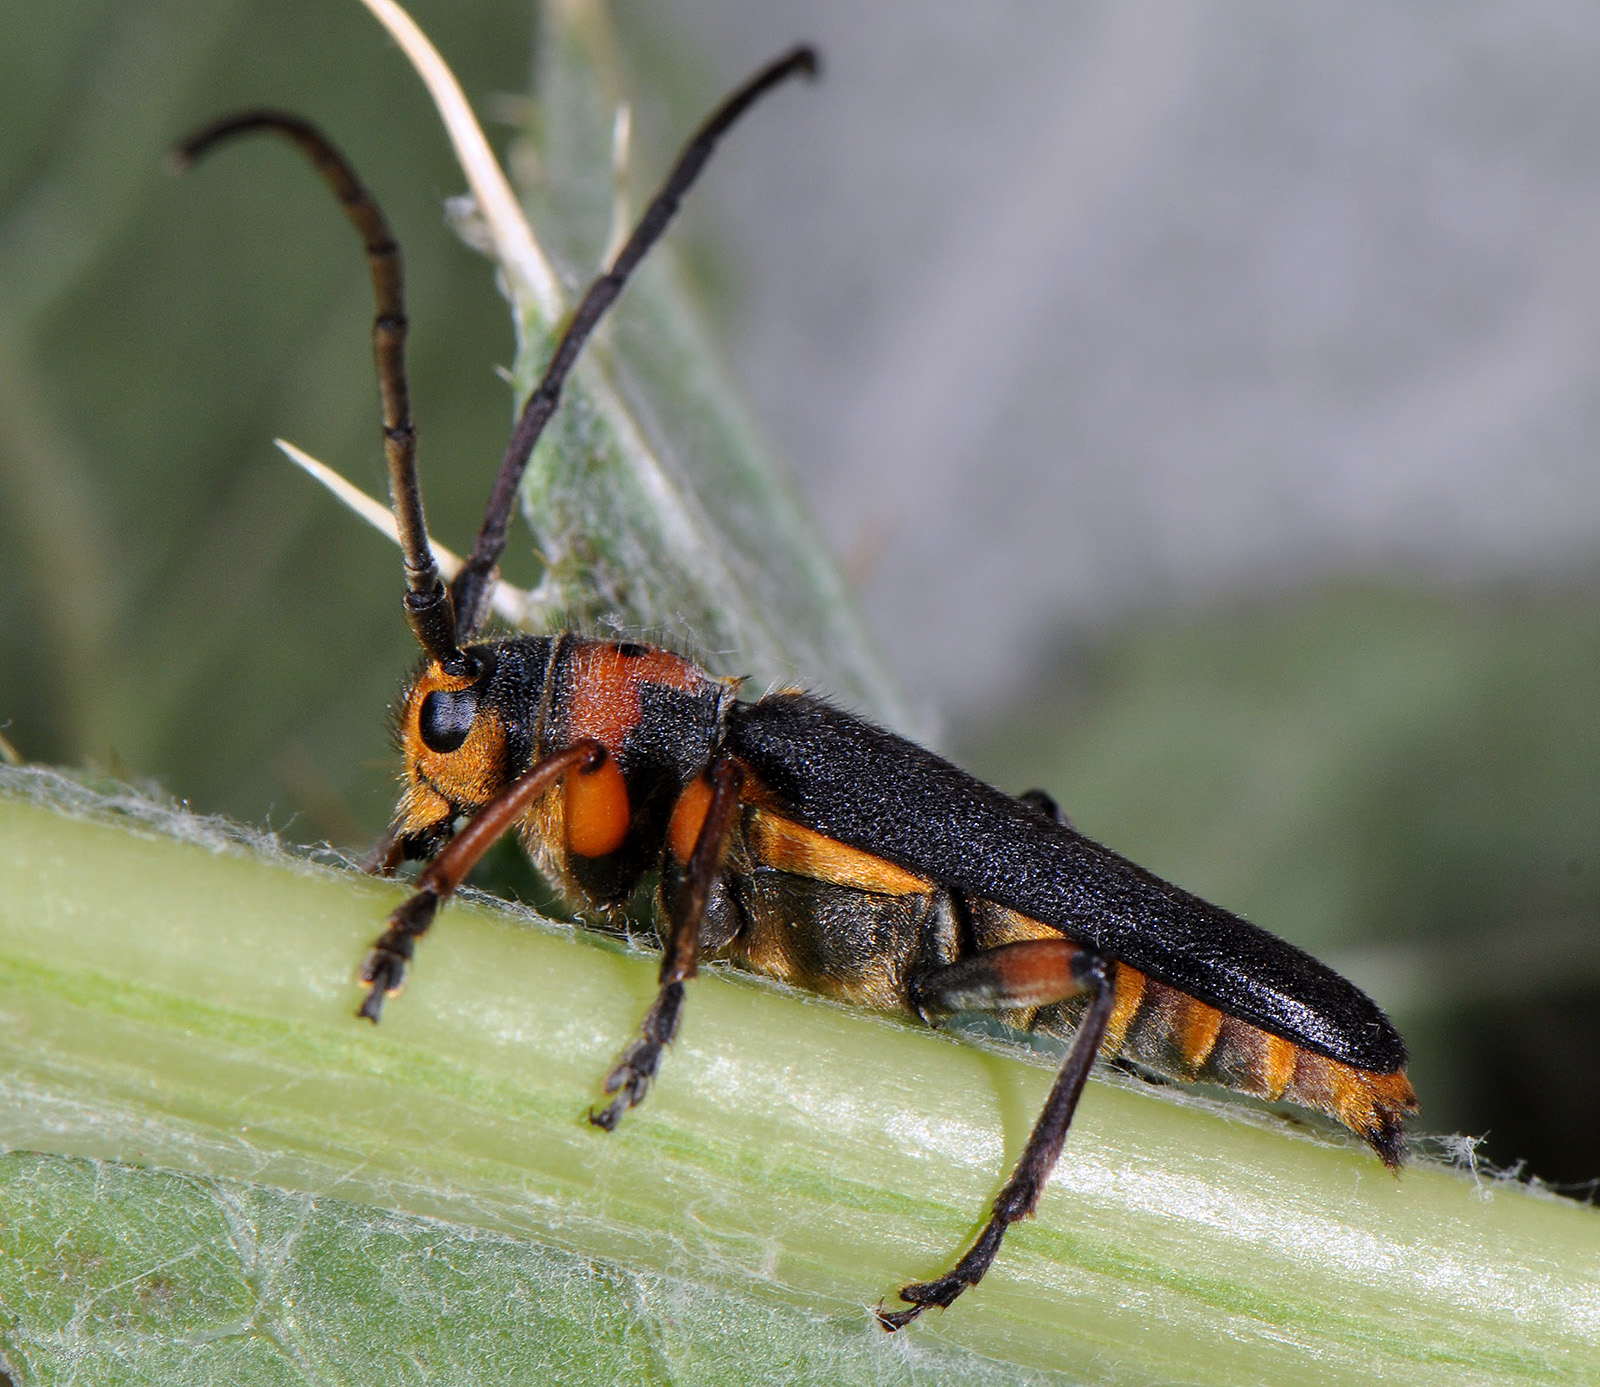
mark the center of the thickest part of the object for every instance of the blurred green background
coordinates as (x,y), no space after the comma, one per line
(1404,779)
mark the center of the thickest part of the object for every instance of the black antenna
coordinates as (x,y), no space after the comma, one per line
(429,610)
(472,585)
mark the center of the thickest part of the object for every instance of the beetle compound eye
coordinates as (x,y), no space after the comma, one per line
(446,718)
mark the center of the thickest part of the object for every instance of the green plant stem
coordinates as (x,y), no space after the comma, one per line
(188,1005)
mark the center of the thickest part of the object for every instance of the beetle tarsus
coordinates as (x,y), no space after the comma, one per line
(385,967)
(630,1080)
(940,1293)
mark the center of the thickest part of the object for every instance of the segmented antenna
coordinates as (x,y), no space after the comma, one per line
(474,583)
(443,619)
(429,610)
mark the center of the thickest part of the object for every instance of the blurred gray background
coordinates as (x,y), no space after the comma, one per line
(1202,398)
(1062,312)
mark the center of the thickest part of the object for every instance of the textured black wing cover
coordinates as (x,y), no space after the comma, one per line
(888,796)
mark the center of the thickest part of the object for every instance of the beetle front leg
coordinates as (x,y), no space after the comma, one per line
(630,1080)
(1013,976)
(384,970)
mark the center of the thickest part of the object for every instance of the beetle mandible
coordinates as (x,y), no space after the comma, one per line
(796,839)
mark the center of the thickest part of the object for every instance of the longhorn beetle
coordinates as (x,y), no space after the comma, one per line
(796,839)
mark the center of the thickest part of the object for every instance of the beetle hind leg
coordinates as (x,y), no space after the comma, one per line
(1012,977)
(1019,975)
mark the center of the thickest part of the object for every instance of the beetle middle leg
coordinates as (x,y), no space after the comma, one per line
(1027,974)
(630,1080)
(1041,801)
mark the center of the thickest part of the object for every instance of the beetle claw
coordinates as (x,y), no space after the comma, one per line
(385,972)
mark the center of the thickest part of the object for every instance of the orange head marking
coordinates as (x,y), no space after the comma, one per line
(454,744)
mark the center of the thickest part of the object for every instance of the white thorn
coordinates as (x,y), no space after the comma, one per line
(528,272)
(621,212)
(512,603)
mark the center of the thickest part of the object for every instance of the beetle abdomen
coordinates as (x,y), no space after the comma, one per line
(1180,1037)
(1170,1033)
